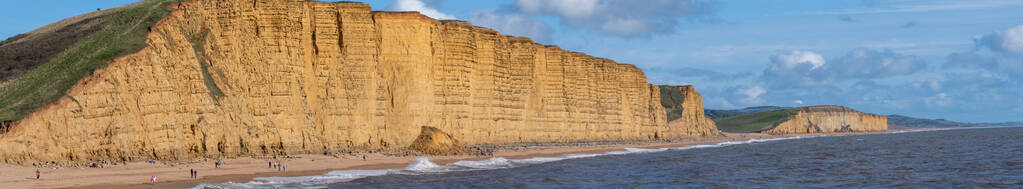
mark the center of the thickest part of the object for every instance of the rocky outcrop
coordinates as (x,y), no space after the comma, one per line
(684,107)
(828,119)
(432,141)
(273,77)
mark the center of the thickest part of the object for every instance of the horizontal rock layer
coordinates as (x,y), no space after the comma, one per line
(273,77)
(829,119)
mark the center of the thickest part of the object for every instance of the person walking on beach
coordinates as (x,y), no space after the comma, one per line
(195,174)
(152,179)
(37,174)
(269,164)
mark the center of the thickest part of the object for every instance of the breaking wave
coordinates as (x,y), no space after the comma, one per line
(423,165)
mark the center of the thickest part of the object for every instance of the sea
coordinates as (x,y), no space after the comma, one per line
(953,158)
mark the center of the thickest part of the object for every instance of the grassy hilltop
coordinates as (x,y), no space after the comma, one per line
(753,122)
(40,66)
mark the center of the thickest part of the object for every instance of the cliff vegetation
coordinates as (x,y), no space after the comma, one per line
(683,106)
(40,66)
(715,114)
(754,122)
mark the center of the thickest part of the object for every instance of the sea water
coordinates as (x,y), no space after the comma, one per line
(963,158)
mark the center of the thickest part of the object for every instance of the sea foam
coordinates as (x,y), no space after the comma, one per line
(424,165)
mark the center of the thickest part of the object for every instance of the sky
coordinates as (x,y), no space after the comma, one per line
(949,59)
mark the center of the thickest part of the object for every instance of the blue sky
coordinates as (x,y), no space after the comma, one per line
(951,59)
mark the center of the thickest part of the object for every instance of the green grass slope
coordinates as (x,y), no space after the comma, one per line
(753,122)
(125,34)
(671,100)
(715,114)
(8,40)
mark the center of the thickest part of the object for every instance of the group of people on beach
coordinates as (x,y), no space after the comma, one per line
(483,151)
(279,166)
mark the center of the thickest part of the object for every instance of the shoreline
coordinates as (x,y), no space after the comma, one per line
(244,169)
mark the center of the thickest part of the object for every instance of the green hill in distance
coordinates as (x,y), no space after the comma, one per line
(752,122)
(714,114)
(749,120)
(912,122)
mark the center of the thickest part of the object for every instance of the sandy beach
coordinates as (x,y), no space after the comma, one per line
(175,174)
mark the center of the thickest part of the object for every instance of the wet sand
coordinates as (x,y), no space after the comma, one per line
(175,175)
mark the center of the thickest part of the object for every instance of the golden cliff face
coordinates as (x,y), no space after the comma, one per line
(692,121)
(828,119)
(244,77)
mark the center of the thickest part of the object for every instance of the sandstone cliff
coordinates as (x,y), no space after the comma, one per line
(274,77)
(684,108)
(827,119)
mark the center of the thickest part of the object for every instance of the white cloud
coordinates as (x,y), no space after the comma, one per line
(805,68)
(799,102)
(934,85)
(1004,55)
(922,6)
(624,26)
(795,58)
(752,95)
(1007,41)
(569,8)
(513,24)
(940,99)
(721,102)
(622,18)
(867,63)
(796,68)
(416,5)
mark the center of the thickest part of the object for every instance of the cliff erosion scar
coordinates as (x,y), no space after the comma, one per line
(244,77)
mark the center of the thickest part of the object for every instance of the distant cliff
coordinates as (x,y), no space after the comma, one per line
(810,119)
(684,109)
(275,77)
(828,119)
